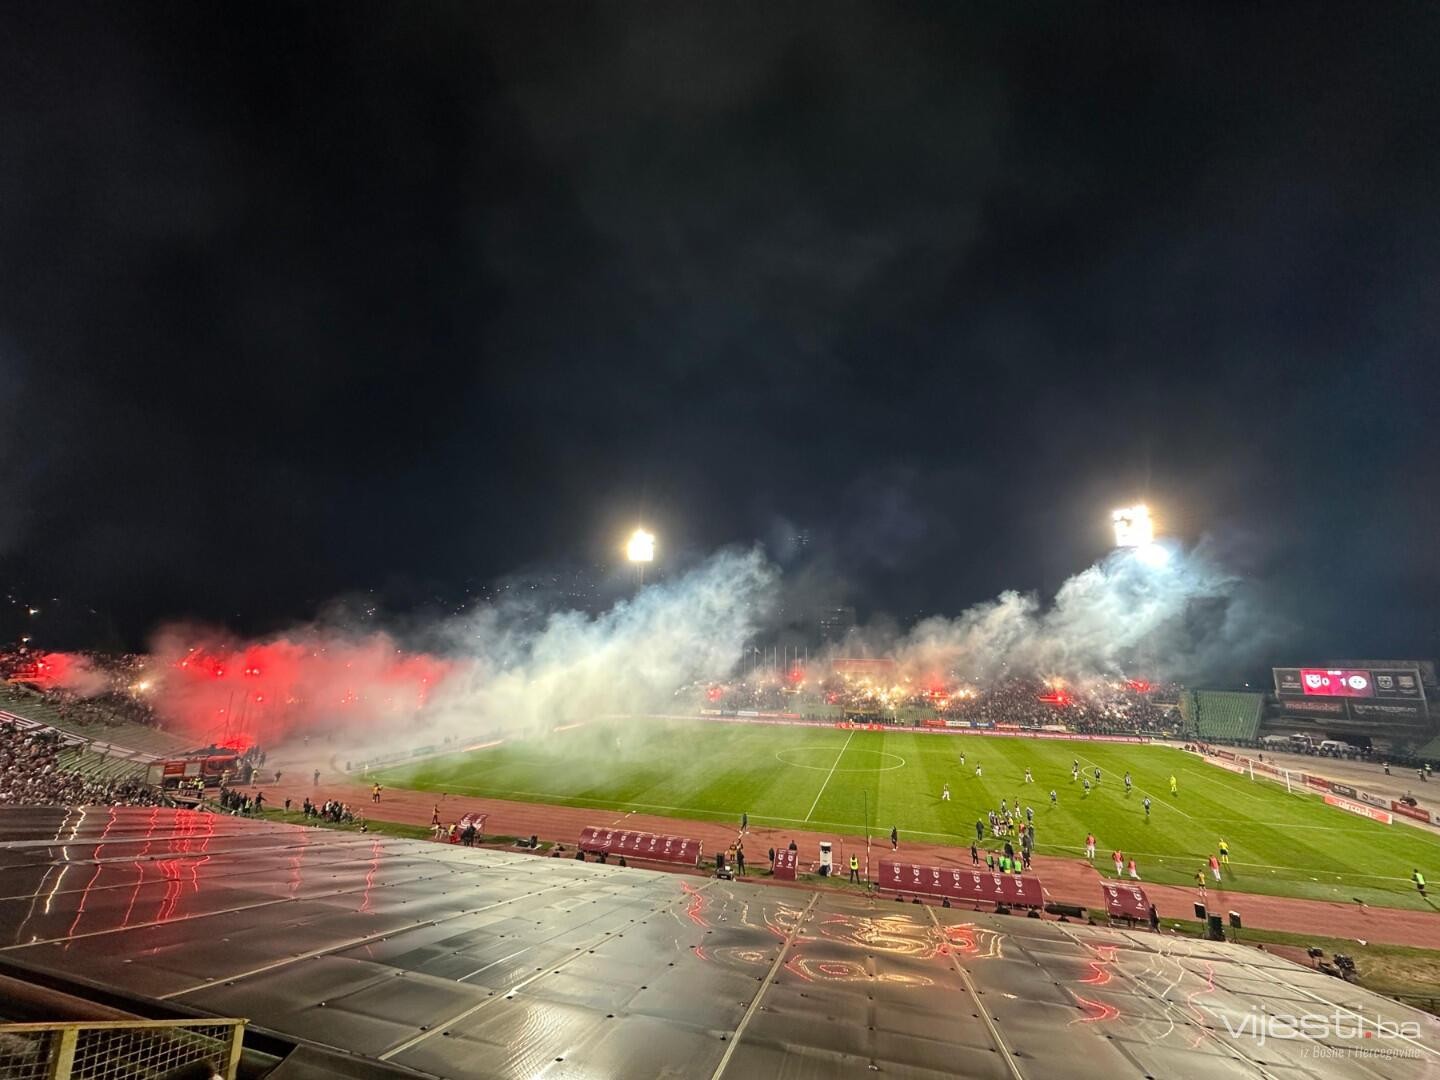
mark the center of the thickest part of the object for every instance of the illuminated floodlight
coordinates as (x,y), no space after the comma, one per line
(641,548)
(1133,527)
(1153,555)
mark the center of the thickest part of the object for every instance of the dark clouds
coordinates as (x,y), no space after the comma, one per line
(298,300)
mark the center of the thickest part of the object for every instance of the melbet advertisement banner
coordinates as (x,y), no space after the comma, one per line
(1323,708)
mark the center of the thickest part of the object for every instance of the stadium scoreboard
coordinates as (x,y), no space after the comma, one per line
(1358,693)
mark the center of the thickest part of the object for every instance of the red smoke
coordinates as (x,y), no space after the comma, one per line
(238,694)
(48,670)
(235,694)
(62,671)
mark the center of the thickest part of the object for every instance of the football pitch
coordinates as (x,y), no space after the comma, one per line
(828,779)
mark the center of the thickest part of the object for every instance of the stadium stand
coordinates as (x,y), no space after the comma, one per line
(1228,716)
(39,767)
(410,958)
(120,733)
(1429,751)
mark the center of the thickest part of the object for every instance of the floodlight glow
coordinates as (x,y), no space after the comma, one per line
(641,548)
(1153,555)
(1133,527)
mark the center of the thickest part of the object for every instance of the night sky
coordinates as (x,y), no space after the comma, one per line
(299,301)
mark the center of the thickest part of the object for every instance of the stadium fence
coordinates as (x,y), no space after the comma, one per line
(119,1049)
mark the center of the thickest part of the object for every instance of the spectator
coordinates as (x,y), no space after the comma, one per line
(31,775)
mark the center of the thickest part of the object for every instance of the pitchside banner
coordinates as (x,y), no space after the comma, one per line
(1126,901)
(639,845)
(955,884)
(1409,811)
(1382,816)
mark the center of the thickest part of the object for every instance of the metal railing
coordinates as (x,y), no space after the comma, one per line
(121,1050)
(1429,1002)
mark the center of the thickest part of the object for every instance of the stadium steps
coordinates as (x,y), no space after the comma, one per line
(1223,715)
(97,766)
(131,736)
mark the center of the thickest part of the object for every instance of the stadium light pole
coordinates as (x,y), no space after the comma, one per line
(640,550)
(866,819)
(1135,531)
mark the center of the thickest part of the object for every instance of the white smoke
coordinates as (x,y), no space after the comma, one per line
(533,670)
(1163,611)
(525,667)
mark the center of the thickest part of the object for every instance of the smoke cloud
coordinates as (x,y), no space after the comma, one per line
(515,666)
(532,670)
(1158,610)
(528,666)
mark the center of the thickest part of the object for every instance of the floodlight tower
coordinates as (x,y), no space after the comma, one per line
(1133,527)
(1135,531)
(640,551)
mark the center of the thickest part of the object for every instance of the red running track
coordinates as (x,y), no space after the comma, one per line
(1067,880)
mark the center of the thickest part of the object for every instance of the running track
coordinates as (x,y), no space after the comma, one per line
(1067,880)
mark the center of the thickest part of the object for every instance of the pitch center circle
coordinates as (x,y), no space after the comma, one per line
(827,754)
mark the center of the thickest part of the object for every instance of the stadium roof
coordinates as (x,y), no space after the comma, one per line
(476,963)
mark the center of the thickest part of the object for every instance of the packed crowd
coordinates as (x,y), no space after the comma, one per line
(1096,706)
(31,775)
(110,700)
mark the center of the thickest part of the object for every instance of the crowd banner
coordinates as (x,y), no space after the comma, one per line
(953,883)
(786,862)
(640,845)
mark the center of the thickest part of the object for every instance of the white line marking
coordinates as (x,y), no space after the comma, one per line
(830,774)
(492,963)
(821,768)
(760,993)
(1142,791)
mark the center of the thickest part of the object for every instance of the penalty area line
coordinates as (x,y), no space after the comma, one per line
(830,774)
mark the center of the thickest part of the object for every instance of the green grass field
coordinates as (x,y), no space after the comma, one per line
(823,779)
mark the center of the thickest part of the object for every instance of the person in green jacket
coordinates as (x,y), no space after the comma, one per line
(1419,880)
